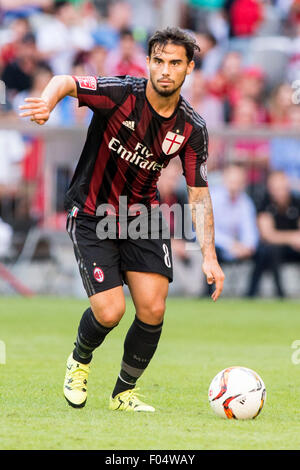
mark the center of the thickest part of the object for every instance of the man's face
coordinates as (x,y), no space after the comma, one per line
(168,67)
(279,187)
(127,46)
(235,180)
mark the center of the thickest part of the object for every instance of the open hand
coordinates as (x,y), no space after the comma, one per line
(37,109)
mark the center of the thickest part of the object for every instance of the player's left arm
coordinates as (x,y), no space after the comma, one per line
(203,220)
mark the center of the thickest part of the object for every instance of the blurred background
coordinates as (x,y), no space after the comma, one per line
(246,85)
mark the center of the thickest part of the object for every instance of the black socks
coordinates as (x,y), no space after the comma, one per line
(90,335)
(139,347)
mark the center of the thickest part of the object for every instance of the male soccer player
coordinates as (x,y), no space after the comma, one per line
(137,127)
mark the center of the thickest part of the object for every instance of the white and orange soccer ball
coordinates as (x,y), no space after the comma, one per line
(237,393)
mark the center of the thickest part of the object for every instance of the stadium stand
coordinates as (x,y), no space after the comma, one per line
(244,85)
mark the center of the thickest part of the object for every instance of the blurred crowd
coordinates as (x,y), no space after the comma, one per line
(247,77)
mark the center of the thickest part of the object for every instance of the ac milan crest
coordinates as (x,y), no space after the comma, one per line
(99,275)
(172,142)
(89,83)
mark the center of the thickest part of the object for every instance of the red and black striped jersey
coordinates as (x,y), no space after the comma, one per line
(128,144)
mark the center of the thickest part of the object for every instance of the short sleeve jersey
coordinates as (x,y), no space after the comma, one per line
(128,144)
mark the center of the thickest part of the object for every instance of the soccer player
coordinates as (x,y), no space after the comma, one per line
(138,125)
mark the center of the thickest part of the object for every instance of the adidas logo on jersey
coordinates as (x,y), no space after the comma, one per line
(129,124)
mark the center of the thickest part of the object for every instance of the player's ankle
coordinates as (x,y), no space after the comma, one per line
(124,382)
(79,358)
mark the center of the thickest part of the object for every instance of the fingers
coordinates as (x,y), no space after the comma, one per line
(32,110)
(30,113)
(36,115)
(219,287)
(216,278)
(32,105)
(36,107)
(34,100)
(210,278)
(38,121)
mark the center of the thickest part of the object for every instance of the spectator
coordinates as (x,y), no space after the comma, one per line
(285,151)
(293,72)
(232,83)
(252,83)
(17,30)
(128,59)
(205,103)
(253,154)
(88,13)
(279,105)
(225,83)
(62,37)
(203,14)
(18,74)
(12,9)
(96,61)
(145,14)
(251,86)
(118,18)
(272,16)
(235,217)
(295,11)
(279,227)
(228,75)
(210,52)
(245,17)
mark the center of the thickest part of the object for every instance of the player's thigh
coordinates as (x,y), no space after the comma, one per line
(147,256)
(99,265)
(149,292)
(108,306)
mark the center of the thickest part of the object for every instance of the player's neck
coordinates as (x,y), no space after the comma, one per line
(163,105)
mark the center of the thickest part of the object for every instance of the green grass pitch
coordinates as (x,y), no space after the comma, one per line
(199,339)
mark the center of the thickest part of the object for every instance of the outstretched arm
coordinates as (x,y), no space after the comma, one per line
(203,220)
(39,108)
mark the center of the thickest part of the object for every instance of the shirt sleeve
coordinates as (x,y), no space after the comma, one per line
(194,156)
(248,231)
(101,93)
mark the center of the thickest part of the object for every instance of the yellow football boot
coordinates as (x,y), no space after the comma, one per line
(75,384)
(129,401)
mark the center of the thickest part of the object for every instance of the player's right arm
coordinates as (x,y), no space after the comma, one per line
(39,108)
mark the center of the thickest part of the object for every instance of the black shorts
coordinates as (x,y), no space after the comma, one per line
(103,262)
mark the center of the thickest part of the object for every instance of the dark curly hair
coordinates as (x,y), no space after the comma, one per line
(173,36)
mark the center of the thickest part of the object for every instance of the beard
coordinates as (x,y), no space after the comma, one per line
(165,93)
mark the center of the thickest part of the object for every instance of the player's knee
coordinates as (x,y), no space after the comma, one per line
(153,313)
(109,315)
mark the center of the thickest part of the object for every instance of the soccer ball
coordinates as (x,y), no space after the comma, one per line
(237,393)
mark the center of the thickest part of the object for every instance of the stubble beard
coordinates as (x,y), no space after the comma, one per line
(165,93)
